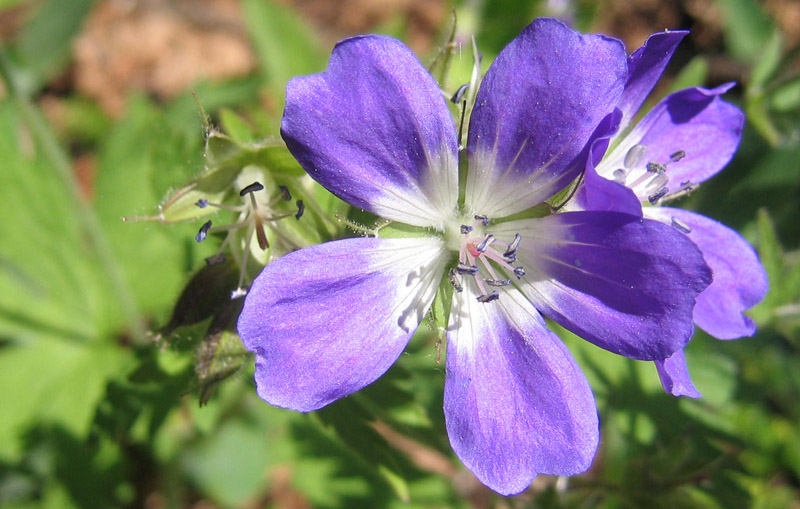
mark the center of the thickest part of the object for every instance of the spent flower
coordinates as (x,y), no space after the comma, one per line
(477,232)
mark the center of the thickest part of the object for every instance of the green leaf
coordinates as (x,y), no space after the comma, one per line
(499,22)
(285,45)
(235,126)
(238,445)
(231,464)
(50,280)
(694,74)
(45,44)
(7,4)
(154,258)
(771,256)
(777,169)
(351,425)
(758,115)
(53,381)
(83,120)
(781,306)
(786,98)
(766,66)
(747,28)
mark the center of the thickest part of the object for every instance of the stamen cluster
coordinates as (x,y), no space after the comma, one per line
(479,257)
(652,183)
(254,218)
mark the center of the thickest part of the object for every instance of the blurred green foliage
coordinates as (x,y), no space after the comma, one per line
(97,412)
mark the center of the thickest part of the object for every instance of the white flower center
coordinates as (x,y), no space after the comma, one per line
(483,257)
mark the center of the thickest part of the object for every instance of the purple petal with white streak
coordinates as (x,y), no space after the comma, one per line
(674,375)
(330,319)
(740,281)
(646,65)
(516,403)
(374,129)
(625,283)
(536,114)
(695,121)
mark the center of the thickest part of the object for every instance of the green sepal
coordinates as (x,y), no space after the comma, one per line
(224,151)
(205,293)
(225,159)
(394,230)
(440,311)
(181,205)
(221,355)
(555,202)
(537,211)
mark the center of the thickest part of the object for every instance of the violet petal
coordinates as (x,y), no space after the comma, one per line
(598,193)
(329,319)
(625,283)
(740,281)
(646,65)
(535,114)
(674,375)
(516,403)
(695,121)
(374,129)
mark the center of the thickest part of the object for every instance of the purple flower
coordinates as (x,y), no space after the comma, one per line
(686,138)
(375,130)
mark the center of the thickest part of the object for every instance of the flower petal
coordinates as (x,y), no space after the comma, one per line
(516,403)
(330,319)
(624,283)
(695,121)
(675,377)
(598,193)
(645,66)
(374,129)
(740,281)
(536,113)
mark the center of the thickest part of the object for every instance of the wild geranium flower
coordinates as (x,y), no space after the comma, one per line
(375,130)
(685,139)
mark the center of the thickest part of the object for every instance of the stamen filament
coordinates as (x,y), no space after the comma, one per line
(234,208)
(240,291)
(489,268)
(227,227)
